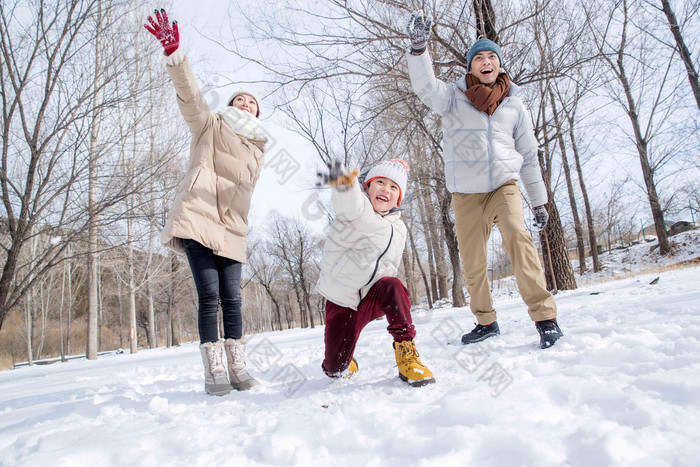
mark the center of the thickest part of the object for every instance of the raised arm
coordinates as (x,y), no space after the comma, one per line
(192,105)
(347,199)
(434,93)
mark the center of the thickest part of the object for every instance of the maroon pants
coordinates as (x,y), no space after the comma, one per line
(343,325)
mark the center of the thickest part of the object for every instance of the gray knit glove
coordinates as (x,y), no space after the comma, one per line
(541,217)
(418,30)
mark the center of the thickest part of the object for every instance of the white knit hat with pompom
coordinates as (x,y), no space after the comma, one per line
(395,170)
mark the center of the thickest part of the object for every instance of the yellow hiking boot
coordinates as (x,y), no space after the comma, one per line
(351,369)
(411,369)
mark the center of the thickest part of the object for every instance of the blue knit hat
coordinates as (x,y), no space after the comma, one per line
(482,45)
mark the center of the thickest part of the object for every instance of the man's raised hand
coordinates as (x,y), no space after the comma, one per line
(418,30)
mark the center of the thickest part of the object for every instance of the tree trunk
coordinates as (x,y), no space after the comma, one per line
(60,313)
(307,302)
(300,305)
(120,304)
(458,299)
(682,50)
(642,142)
(321,311)
(289,312)
(170,305)
(148,277)
(28,323)
(427,233)
(100,302)
(410,276)
(569,185)
(133,330)
(92,313)
(172,310)
(559,275)
(302,278)
(420,268)
(152,336)
(558,272)
(268,289)
(642,150)
(91,347)
(69,319)
(45,291)
(485,20)
(584,193)
(437,247)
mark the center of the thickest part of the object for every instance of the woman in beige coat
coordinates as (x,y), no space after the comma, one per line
(209,217)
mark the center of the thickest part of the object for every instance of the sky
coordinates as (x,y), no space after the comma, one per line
(620,388)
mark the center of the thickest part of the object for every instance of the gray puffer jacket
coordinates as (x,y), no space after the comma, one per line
(481,152)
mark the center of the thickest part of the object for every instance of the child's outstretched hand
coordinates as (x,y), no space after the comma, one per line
(336,175)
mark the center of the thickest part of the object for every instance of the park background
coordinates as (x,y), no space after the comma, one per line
(94,146)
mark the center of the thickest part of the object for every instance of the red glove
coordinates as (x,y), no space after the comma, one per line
(168,35)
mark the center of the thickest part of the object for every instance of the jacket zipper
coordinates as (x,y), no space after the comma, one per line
(376,265)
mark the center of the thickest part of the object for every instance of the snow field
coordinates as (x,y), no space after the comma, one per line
(620,388)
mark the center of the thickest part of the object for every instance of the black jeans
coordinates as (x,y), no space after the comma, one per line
(215,277)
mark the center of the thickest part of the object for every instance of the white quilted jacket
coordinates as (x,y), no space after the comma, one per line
(362,247)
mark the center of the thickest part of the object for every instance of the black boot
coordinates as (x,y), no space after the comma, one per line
(549,332)
(481,332)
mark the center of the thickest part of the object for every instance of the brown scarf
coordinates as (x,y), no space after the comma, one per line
(487,98)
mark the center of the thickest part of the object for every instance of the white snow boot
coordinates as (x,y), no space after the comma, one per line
(235,352)
(215,379)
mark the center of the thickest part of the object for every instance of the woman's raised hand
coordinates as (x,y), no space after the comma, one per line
(167,34)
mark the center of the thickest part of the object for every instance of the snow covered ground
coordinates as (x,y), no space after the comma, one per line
(622,387)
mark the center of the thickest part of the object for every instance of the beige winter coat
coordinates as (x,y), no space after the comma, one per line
(213,199)
(362,247)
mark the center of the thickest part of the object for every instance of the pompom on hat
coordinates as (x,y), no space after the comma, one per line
(252,94)
(395,170)
(483,45)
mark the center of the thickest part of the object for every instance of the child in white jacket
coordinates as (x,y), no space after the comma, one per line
(358,273)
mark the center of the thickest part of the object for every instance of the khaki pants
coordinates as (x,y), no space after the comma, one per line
(474,216)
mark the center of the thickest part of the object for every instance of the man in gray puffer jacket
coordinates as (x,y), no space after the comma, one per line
(488,146)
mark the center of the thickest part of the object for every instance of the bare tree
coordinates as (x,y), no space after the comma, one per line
(266,272)
(682,48)
(92,344)
(555,253)
(416,259)
(578,230)
(296,249)
(46,98)
(569,109)
(643,87)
